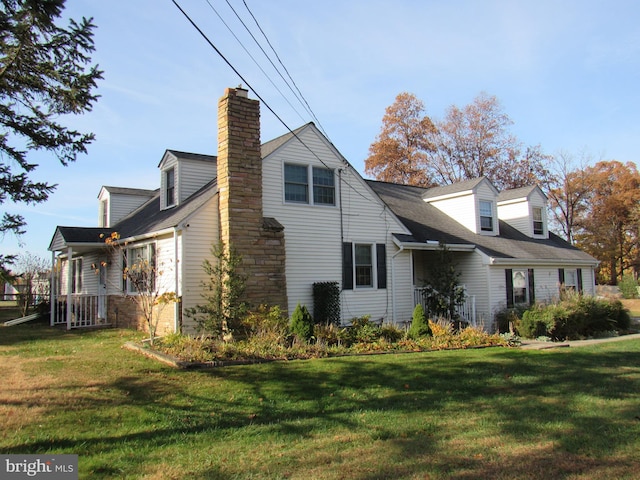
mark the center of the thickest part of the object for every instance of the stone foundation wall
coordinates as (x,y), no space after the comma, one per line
(124,312)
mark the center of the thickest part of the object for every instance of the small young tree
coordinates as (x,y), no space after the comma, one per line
(140,272)
(444,293)
(419,324)
(223,310)
(302,323)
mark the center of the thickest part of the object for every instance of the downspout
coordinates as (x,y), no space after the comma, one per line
(69,284)
(178,265)
(52,289)
(393,283)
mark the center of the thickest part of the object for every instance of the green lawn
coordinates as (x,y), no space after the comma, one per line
(485,413)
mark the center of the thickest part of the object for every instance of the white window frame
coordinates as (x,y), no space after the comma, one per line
(482,215)
(521,291)
(76,275)
(151,256)
(571,284)
(104,212)
(312,188)
(540,220)
(170,200)
(371,265)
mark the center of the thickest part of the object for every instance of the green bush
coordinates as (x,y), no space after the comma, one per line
(302,323)
(419,325)
(628,287)
(575,317)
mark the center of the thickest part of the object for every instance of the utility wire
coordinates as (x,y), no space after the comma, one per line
(308,107)
(254,60)
(295,135)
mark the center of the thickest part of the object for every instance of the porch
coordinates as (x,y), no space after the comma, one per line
(79,310)
(465,311)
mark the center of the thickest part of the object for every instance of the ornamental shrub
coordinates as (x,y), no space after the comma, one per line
(628,287)
(419,325)
(302,323)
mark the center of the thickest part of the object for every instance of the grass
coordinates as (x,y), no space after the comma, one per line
(488,413)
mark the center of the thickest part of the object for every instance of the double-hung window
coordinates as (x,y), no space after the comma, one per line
(538,224)
(324,190)
(296,183)
(520,287)
(76,275)
(170,187)
(298,179)
(364,265)
(486,215)
(139,265)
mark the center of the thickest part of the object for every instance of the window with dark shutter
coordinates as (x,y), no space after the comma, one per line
(381,264)
(532,288)
(508,276)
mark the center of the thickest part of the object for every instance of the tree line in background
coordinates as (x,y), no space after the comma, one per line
(594,205)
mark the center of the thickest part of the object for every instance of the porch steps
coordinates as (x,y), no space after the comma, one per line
(18,321)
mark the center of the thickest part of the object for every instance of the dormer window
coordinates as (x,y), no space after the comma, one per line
(170,187)
(538,224)
(486,216)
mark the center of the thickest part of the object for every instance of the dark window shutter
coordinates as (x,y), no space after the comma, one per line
(381,263)
(579,275)
(347,266)
(508,276)
(561,276)
(532,288)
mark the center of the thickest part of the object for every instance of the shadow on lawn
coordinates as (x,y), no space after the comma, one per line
(536,398)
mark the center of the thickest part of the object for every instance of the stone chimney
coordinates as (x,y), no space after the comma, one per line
(258,240)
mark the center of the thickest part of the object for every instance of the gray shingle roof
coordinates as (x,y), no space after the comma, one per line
(427,223)
(147,219)
(515,193)
(453,188)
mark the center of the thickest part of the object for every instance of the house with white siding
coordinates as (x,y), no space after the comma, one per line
(298,213)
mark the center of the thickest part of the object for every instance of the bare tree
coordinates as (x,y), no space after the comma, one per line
(32,281)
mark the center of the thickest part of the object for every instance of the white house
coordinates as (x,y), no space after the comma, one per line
(298,214)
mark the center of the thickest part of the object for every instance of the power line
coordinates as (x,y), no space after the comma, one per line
(283,66)
(262,100)
(252,58)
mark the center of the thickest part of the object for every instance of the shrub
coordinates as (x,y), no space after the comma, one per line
(419,325)
(509,317)
(266,322)
(302,323)
(328,335)
(574,317)
(538,321)
(628,287)
(391,333)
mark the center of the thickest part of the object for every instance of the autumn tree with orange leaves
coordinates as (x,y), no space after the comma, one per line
(469,142)
(607,225)
(401,149)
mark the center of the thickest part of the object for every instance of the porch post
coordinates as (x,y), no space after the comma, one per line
(69,284)
(52,289)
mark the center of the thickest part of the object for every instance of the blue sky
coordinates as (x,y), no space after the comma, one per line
(567,73)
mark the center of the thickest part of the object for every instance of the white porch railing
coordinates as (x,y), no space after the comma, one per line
(466,311)
(82,310)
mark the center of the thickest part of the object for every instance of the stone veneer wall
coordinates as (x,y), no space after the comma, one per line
(259,241)
(124,312)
